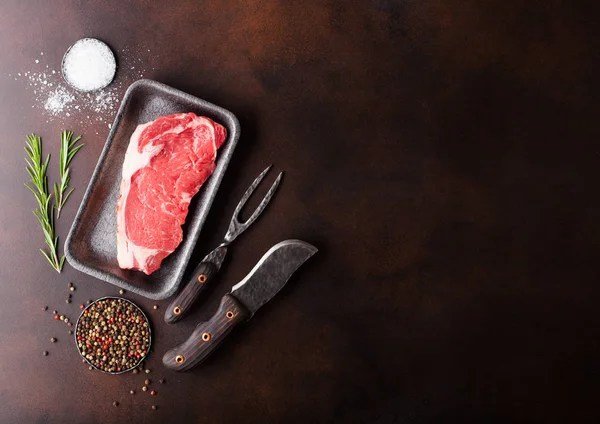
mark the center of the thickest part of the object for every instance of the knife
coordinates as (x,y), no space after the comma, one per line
(265,280)
(210,265)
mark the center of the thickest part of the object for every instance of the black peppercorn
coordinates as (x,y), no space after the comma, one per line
(45,353)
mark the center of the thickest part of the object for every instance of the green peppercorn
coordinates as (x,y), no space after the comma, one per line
(121,291)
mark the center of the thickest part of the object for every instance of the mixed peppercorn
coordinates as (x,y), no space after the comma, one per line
(113,335)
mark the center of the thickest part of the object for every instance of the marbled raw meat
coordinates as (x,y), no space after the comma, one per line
(165,165)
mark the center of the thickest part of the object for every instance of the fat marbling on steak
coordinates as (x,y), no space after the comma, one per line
(165,165)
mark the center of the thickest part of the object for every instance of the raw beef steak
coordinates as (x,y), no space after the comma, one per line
(166,163)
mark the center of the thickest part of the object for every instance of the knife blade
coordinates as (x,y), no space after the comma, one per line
(262,283)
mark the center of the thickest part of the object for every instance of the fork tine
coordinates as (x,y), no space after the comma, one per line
(236,227)
(264,202)
(249,192)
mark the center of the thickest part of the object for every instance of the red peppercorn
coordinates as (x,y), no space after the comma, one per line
(86,311)
(56,317)
(81,306)
(153,392)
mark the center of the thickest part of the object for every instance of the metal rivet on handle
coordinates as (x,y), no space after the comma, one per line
(201,278)
(206,336)
(179,359)
(177,310)
(229,314)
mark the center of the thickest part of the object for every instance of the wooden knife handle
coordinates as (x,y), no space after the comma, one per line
(207,336)
(183,302)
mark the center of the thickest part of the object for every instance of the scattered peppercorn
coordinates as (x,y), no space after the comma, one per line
(155,307)
(147,371)
(154,407)
(70,324)
(53,340)
(72,288)
(161,381)
(147,382)
(70,331)
(135,371)
(45,353)
(132,392)
(83,361)
(91,368)
(89,301)
(121,291)
(153,392)
(55,312)
(45,308)
(144,389)
(81,306)
(62,317)
(68,301)
(56,317)
(66,320)
(70,285)
(115,403)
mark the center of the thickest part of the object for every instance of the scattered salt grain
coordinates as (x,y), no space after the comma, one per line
(89,65)
(58,100)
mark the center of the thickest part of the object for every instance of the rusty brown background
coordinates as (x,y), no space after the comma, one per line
(443,155)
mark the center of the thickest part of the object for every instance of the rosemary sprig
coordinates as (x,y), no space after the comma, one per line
(37,171)
(67,152)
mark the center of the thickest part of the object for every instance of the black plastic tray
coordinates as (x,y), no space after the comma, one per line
(91,245)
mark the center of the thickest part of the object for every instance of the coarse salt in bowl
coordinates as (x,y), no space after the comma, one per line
(88,65)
